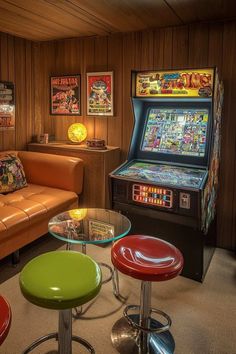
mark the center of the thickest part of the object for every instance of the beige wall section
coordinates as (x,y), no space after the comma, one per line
(29,65)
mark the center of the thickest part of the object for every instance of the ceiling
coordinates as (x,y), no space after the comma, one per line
(42,20)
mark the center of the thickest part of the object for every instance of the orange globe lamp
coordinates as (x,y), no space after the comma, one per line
(77,133)
(78,214)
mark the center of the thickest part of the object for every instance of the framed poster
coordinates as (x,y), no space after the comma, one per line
(100,93)
(7,106)
(65,95)
(99,230)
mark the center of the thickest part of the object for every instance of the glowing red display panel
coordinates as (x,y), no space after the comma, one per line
(151,195)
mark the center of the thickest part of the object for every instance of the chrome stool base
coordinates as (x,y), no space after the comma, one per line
(43,339)
(63,336)
(125,338)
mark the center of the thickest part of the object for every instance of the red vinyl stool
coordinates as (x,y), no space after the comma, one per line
(148,259)
(5,319)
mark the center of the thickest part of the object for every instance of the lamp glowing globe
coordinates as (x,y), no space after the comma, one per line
(77,133)
(78,214)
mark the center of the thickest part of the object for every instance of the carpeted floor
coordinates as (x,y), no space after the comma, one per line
(203,315)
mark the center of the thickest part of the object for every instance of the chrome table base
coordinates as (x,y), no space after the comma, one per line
(126,338)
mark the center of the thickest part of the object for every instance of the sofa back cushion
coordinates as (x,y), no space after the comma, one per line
(12,175)
(63,172)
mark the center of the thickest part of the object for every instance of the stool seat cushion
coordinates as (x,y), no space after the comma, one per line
(146,258)
(60,280)
(5,319)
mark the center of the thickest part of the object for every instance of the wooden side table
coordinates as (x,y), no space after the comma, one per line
(97,165)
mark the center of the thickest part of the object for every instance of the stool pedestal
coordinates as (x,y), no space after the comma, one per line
(141,334)
(65,331)
(147,259)
(64,336)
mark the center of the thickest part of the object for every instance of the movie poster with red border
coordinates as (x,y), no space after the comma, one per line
(65,95)
(100,93)
(7,106)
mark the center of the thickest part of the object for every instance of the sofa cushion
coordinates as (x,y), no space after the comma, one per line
(31,204)
(12,175)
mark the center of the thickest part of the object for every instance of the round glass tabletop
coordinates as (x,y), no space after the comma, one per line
(90,225)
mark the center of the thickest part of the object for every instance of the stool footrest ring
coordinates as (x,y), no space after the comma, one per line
(40,340)
(101,264)
(164,328)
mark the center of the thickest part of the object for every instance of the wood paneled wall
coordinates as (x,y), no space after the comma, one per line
(16,65)
(30,65)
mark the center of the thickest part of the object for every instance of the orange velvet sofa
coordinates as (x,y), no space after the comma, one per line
(54,184)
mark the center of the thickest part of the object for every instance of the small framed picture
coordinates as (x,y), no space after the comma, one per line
(65,95)
(100,93)
(99,230)
(7,106)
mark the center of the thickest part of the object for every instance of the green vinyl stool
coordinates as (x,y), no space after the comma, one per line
(61,280)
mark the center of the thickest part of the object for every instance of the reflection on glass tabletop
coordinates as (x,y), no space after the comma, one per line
(90,225)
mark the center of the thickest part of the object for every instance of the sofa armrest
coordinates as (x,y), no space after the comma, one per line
(63,172)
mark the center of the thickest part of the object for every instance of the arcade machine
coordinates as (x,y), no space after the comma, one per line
(168,185)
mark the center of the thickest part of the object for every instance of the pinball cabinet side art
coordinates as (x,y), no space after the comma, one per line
(168,185)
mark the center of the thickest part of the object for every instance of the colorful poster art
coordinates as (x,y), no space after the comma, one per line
(65,95)
(210,192)
(184,83)
(164,174)
(7,106)
(100,93)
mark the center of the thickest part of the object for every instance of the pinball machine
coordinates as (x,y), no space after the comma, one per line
(168,185)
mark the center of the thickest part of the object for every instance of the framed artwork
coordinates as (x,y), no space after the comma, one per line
(7,106)
(99,230)
(65,95)
(100,93)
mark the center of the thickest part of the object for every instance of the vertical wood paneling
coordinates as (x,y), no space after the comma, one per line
(167,34)
(198,45)
(9,136)
(100,65)
(28,89)
(180,47)
(128,65)
(4,57)
(38,93)
(147,50)
(3,76)
(227,177)
(215,52)
(158,49)
(115,58)
(47,56)
(88,66)
(20,89)
(60,121)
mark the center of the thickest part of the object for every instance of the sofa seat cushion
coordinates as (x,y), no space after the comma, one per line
(30,204)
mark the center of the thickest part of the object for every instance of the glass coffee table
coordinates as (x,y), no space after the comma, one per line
(91,226)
